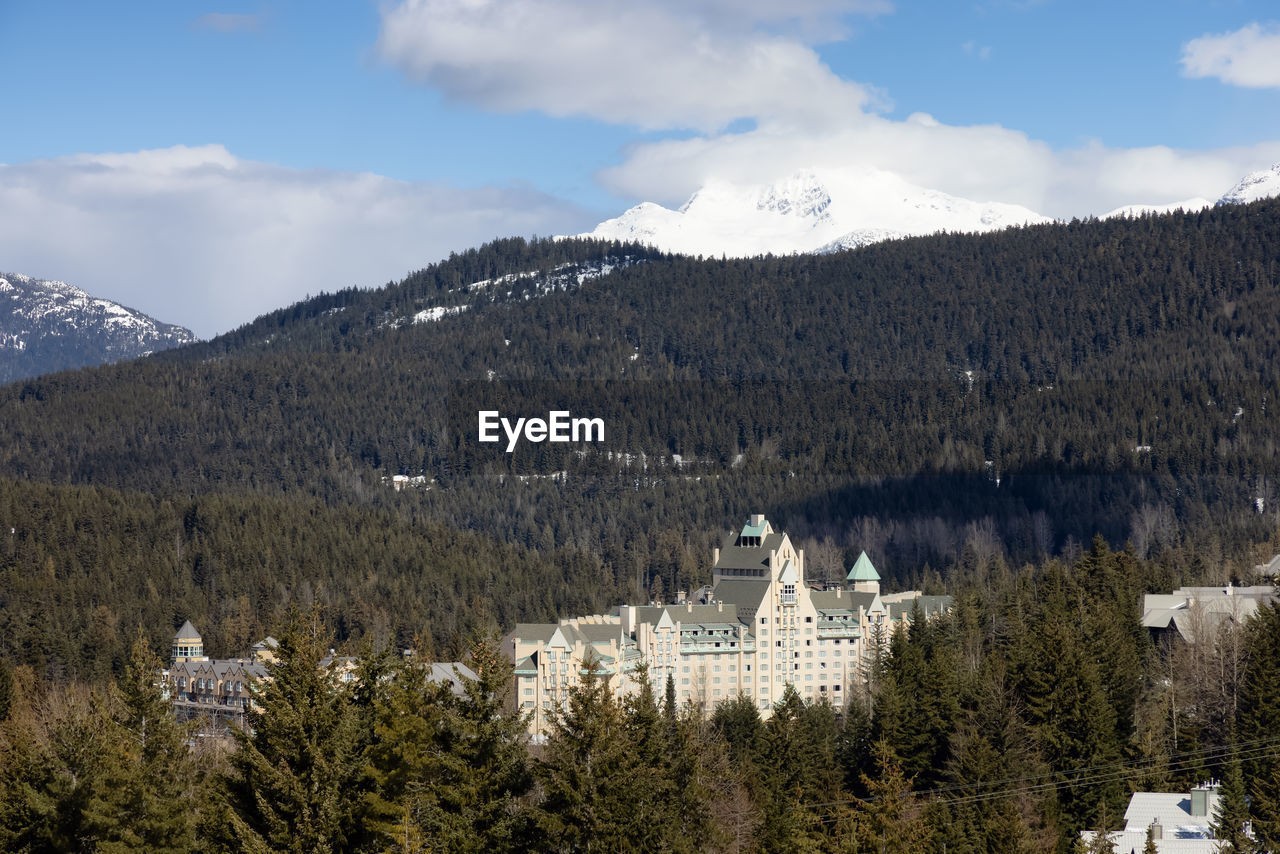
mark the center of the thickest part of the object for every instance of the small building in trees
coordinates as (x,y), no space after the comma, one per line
(759,628)
(1189,613)
(1180,822)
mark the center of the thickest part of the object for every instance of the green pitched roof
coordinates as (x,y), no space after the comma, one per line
(863,570)
(750,530)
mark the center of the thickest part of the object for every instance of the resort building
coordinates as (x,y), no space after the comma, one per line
(216,690)
(759,628)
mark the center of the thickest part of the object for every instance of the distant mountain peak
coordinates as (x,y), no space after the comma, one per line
(1263,184)
(807,211)
(48,325)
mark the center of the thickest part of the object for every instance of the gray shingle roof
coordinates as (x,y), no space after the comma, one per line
(827,600)
(743,595)
(187,632)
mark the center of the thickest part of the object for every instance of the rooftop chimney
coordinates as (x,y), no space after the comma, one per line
(757,519)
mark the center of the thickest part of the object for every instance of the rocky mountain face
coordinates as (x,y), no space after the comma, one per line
(48,326)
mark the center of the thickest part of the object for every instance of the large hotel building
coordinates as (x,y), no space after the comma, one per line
(758,628)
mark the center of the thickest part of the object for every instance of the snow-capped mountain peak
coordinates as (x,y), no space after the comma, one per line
(808,211)
(50,325)
(1263,184)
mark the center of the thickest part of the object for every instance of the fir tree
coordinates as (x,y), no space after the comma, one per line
(145,801)
(1231,817)
(296,780)
(587,790)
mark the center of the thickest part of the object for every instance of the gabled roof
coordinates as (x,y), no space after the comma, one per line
(848,600)
(187,632)
(789,574)
(749,530)
(863,570)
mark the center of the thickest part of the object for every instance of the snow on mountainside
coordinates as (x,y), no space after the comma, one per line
(49,326)
(1257,185)
(807,212)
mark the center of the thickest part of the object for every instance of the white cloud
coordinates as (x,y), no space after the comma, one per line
(697,64)
(199,237)
(1250,56)
(701,64)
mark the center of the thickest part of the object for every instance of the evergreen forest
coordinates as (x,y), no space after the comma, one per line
(1045,423)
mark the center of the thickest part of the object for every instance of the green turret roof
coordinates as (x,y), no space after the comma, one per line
(863,570)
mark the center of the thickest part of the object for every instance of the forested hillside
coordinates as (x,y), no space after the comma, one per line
(936,401)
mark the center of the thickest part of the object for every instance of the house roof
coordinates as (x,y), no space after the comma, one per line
(847,600)
(452,672)
(1171,809)
(534,632)
(741,594)
(187,632)
(863,570)
(749,530)
(743,557)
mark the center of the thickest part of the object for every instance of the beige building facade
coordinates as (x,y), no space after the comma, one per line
(760,628)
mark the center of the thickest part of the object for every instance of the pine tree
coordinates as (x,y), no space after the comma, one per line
(467,796)
(146,798)
(297,779)
(587,790)
(1231,817)
(888,820)
(1260,719)
(1150,846)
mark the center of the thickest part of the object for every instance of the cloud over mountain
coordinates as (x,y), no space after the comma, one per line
(232,238)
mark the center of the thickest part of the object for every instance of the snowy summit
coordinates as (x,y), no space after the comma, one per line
(1263,184)
(807,212)
(51,326)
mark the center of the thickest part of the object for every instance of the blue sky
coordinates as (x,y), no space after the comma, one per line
(267,150)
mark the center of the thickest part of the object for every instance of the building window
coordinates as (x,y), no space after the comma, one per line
(808,619)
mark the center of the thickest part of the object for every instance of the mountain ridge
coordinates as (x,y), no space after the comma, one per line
(816,211)
(49,325)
